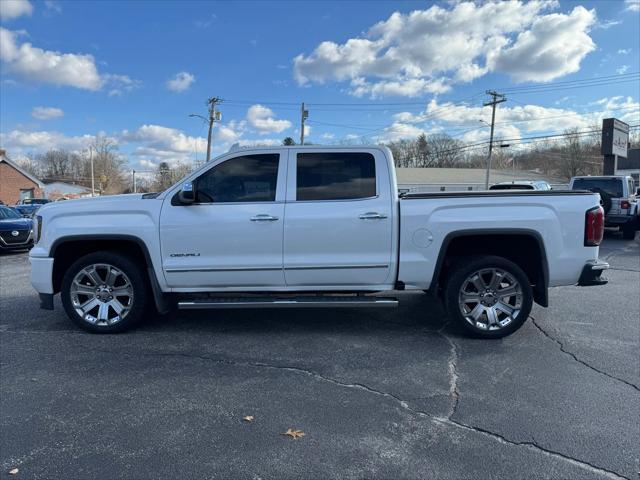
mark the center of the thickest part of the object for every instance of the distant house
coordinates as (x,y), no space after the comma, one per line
(16,183)
(57,190)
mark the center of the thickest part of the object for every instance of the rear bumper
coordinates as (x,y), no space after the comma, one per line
(615,220)
(592,274)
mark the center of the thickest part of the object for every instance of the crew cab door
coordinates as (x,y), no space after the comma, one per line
(339,219)
(231,236)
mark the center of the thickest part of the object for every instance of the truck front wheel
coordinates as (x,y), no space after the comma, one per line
(104,292)
(489,297)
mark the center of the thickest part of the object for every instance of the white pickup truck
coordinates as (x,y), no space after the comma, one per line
(313,227)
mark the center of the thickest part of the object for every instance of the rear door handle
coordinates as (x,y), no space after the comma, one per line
(372,216)
(263,218)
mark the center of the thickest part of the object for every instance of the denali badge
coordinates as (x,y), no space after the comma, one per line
(184,254)
(15,233)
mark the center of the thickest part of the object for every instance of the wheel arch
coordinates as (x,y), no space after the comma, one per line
(65,250)
(496,241)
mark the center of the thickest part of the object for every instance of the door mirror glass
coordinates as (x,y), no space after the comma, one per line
(187,194)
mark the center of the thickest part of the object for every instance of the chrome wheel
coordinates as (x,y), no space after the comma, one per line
(101,294)
(490,299)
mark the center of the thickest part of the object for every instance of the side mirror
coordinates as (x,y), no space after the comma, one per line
(187,194)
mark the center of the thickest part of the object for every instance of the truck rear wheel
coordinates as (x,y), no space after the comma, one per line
(489,297)
(104,292)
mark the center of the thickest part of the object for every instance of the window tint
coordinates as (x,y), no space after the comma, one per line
(250,178)
(610,186)
(335,176)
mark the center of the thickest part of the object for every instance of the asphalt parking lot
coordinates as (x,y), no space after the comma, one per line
(378,394)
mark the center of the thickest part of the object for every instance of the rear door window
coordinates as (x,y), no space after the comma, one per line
(335,176)
(609,186)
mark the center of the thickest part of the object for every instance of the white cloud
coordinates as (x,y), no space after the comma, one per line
(119,84)
(18,142)
(53,6)
(263,120)
(622,70)
(46,113)
(180,82)
(555,46)
(624,51)
(425,51)
(64,69)
(10,9)
(632,5)
(70,69)
(327,136)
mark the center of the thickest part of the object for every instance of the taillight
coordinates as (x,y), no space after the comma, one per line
(594,227)
(624,204)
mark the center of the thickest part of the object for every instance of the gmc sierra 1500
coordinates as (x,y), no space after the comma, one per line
(313,227)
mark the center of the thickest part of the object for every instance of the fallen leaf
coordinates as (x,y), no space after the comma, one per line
(295,434)
(13,471)
(248,418)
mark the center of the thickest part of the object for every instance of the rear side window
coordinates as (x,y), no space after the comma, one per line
(249,178)
(335,176)
(609,186)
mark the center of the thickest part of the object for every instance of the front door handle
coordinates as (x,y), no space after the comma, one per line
(263,218)
(372,216)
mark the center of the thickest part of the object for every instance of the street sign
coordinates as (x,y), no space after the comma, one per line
(615,137)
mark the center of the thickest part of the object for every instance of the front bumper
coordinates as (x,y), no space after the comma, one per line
(42,274)
(592,274)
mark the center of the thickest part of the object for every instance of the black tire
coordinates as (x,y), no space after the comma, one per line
(629,230)
(458,278)
(135,277)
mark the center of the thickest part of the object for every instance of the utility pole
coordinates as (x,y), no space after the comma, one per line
(213,116)
(93,185)
(304,114)
(496,99)
(133,174)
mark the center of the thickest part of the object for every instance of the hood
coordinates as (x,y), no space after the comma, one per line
(77,203)
(15,224)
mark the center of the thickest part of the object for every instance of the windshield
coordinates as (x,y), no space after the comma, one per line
(7,213)
(610,186)
(511,186)
(35,201)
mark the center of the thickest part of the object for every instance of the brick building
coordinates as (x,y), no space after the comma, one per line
(16,183)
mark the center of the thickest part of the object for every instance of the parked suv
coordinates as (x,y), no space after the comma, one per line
(16,233)
(619,200)
(27,207)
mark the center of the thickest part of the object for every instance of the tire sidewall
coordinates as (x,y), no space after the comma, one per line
(130,268)
(461,271)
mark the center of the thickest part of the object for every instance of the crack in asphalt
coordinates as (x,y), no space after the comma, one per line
(582,362)
(446,420)
(534,446)
(452,366)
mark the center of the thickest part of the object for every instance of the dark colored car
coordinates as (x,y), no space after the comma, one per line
(15,232)
(27,211)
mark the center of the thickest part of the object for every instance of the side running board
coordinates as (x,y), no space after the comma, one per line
(289,302)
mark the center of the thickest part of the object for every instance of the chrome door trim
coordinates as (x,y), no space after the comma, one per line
(333,267)
(223,269)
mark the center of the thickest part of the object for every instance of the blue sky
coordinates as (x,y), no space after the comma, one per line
(370,71)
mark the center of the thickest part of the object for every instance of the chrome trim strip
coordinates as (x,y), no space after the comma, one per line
(333,267)
(226,269)
(270,269)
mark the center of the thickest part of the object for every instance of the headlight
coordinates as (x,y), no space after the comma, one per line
(38,229)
